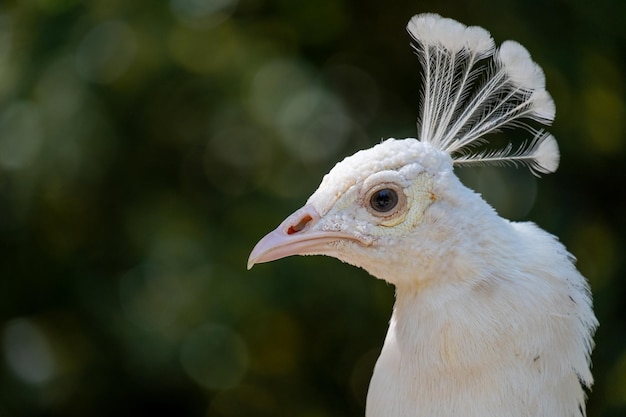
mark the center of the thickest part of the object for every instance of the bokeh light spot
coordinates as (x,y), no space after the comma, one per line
(214,50)
(214,356)
(312,122)
(166,299)
(106,51)
(202,13)
(20,135)
(605,118)
(511,192)
(28,352)
(236,157)
(274,84)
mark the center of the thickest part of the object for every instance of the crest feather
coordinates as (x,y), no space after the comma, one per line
(541,156)
(471,89)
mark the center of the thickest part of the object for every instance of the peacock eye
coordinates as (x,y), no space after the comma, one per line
(384,200)
(387,201)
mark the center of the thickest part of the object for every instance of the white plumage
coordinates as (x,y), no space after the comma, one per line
(491,317)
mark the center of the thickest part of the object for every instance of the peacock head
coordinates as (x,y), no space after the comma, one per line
(367,207)
(401,198)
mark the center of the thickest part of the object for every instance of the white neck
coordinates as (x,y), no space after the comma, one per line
(488,345)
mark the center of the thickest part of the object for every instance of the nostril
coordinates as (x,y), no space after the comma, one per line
(300,225)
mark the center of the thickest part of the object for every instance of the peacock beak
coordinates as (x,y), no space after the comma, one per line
(297,235)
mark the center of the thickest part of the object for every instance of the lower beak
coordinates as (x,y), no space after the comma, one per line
(297,235)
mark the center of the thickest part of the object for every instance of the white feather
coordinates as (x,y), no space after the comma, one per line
(544,109)
(434,30)
(466,98)
(519,66)
(541,156)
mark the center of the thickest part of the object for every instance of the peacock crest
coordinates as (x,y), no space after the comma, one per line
(472,88)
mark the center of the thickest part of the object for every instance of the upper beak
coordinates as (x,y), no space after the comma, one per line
(297,235)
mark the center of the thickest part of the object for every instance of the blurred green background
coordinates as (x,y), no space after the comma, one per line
(145,146)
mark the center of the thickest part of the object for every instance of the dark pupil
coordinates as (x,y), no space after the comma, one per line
(384,200)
